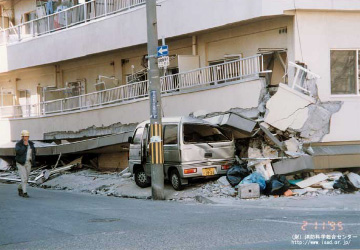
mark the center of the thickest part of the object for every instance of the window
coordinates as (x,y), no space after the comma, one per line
(138,136)
(344,68)
(170,134)
(198,133)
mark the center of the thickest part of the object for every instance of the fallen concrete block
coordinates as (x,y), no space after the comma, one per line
(249,191)
(292,145)
(240,126)
(354,179)
(294,114)
(312,180)
(288,166)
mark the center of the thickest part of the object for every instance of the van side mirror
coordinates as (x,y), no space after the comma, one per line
(130,140)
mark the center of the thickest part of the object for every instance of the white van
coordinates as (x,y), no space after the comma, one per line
(193,148)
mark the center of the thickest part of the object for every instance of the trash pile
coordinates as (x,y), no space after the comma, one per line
(245,183)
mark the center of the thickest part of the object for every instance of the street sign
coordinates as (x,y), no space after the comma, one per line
(163,62)
(162,50)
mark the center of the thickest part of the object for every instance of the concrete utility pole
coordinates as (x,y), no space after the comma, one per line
(156,142)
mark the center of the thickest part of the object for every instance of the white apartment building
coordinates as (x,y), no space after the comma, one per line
(72,69)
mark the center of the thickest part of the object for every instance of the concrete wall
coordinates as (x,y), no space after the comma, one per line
(242,95)
(22,7)
(320,32)
(175,18)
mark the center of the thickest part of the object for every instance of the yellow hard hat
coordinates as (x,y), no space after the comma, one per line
(25,133)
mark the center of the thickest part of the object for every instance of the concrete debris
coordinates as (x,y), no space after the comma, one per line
(240,126)
(354,179)
(334,176)
(327,184)
(269,152)
(93,131)
(291,166)
(317,124)
(223,181)
(292,145)
(293,114)
(249,191)
(312,180)
(5,164)
(126,175)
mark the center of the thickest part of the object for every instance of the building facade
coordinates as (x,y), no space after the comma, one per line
(71,70)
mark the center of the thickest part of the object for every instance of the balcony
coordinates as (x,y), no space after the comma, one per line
(244,69)
(65,19)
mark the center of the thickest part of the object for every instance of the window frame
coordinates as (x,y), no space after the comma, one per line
(357,51)
(178,137)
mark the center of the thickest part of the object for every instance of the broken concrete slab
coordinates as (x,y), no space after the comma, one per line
(288,108)
(240,126)
(317,124)
(272,137)
(303,163)
(312,180)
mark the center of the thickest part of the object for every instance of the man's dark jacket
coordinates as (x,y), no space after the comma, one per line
(21,151)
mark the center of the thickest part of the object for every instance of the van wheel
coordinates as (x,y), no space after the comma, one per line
(141,179)
(176,180)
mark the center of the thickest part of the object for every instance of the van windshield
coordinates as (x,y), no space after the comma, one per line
(198,133)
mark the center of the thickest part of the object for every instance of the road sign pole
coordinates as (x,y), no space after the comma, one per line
(156,143)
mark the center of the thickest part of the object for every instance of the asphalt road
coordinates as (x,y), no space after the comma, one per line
(52,219)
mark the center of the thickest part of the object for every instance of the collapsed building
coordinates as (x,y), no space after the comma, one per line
(286,90)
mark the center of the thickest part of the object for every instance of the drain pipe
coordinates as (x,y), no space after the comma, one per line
(194,44)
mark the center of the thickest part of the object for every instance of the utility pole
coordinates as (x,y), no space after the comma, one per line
(156,137)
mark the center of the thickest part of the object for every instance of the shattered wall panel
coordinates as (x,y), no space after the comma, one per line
(287,108)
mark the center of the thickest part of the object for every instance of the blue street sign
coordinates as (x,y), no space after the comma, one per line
(162,50)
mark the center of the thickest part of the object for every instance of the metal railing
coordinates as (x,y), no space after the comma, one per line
(301,76)
(212,75)
(64,19)
(242,69)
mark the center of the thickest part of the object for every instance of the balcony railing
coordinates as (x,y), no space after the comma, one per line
(242,69)
(75,15)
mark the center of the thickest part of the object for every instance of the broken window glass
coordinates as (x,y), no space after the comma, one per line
(194,133)
(343,71)
(171,134)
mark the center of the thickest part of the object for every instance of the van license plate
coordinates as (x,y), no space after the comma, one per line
(208,171)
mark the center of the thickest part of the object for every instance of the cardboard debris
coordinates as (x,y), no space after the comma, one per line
(312,180)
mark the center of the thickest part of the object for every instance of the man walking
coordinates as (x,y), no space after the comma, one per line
(25,158)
